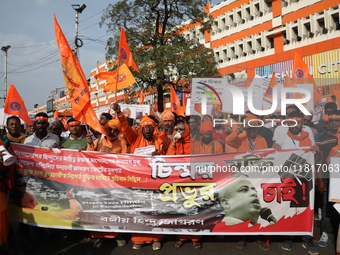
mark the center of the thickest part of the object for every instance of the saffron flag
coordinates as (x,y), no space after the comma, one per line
(124,75)
(175,103)
(56,115)
(14,105)
(76,83)
(64,121)
(337,97)
(124,52)
(268,95)
(142,98)
(301,73)
(290,84)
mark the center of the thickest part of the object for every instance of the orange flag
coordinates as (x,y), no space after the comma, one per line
(175,104)
(76,83)
(125,78)
(142,98)
(268,95)
(290,84)
(124,52)
(64,121)
(301,73)
(337,97)
(14,105)
(56,115)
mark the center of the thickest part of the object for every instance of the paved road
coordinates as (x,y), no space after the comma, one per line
(211,246)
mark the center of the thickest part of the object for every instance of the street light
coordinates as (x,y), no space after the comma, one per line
(78,9)
(5,49)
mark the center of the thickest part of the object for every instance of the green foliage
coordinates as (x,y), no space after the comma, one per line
(153,29)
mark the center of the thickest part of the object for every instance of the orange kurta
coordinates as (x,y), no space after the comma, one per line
(182,147)
(242,143)
(117,146)
(214,147)
(137,140)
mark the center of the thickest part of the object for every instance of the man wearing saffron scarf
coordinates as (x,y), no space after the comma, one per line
(13,131)
(167,123)
(295,137)
(41,138)
(111,143)
(180,144)
(206,145)
(146,138)
(246,138)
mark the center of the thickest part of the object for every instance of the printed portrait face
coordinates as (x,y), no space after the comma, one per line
(239,199)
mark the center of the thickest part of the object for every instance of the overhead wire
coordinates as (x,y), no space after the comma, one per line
(41,60)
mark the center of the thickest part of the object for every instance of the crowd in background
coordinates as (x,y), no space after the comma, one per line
(170,134)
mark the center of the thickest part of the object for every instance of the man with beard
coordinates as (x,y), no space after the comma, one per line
(326,142)
(206,145)
(167,122)
(76,141)
(295,137)
(194,122)
(13,131)
(246,138)
(110,143)
(146,138)
(41,138)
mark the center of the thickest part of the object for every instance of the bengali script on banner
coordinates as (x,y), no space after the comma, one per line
(257,192)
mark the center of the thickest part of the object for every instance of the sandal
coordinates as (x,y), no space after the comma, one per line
(156,246)
(240,245)
(263,246)
(197,245)
(179,244)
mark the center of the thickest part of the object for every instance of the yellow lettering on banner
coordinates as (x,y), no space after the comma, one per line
(133,179)
(189,191)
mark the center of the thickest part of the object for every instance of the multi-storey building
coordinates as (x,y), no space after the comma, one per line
(260,37)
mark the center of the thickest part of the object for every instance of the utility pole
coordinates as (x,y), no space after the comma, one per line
(5,49)
(77,42)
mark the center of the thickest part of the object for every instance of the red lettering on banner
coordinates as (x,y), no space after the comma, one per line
(284,191)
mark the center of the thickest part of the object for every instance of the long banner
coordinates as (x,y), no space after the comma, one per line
(257,192)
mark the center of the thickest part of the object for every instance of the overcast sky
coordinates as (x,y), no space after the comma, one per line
(33,62)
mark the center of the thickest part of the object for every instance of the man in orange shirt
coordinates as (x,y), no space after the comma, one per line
(246,138)
(167,123)
(111,143)
(206,145)
(147,136)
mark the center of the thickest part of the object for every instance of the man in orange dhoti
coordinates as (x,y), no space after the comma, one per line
(146,138)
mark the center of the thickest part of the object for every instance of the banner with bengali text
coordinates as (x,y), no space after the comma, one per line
(255,192)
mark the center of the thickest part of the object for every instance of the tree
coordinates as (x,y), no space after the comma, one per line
(154,29)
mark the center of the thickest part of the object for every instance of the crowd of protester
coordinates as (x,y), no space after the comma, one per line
(169,134)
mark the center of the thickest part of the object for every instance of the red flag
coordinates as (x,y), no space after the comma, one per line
(125,78)
(124,52)
(76,83)
(175,104)
(56,115)
(142,98)
(14,105)
(301,73)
